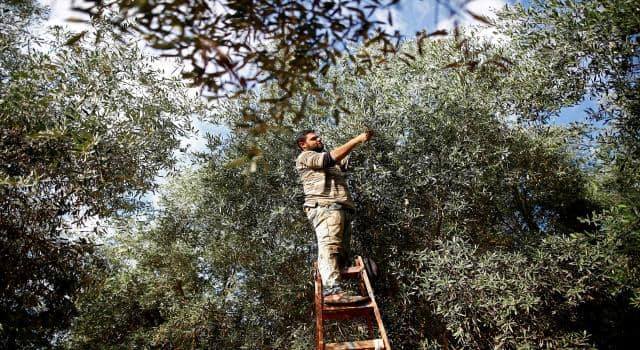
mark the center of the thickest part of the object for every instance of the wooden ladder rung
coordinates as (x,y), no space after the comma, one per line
(345,312)
(351,272)
(371,344)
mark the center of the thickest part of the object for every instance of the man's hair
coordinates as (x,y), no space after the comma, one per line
(302,136)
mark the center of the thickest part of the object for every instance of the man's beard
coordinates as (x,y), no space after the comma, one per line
(318,148)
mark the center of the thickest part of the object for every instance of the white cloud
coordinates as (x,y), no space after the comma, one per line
(485,8)
(61,12)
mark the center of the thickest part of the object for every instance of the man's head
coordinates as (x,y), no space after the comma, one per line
(308,140)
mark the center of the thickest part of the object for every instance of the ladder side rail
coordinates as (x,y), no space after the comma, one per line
(363,291)
(376,311)
(319,312)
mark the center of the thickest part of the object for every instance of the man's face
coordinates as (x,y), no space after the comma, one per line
(313,142)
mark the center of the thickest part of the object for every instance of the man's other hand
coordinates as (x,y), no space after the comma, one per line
(366,136)
(339,153)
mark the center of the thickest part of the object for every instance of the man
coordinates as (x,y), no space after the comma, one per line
(328,206)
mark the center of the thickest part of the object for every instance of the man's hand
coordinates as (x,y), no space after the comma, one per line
(369,133)
(339,153)
(365,136)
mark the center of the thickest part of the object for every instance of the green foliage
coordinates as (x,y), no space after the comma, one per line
(599,45)
(84,129)
(619,234)
(213,280)
(232,47)
(597,42)
(507,299)
(288,42)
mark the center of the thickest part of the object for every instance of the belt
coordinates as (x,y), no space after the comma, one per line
(336,206)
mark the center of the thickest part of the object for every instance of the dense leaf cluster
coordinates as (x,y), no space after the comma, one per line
(232,45)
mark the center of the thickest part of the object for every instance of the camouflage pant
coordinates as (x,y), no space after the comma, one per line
(333,231)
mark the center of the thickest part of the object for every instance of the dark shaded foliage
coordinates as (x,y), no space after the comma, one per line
(230,47)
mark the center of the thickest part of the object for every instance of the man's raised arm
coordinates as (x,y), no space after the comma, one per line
(340,152)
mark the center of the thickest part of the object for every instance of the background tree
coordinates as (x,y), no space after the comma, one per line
(84,130)
(599,41)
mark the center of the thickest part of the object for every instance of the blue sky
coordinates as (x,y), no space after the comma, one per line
(411,16)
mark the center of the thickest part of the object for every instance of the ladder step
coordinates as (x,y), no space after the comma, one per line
(371,344)
(351,272)
(347,311)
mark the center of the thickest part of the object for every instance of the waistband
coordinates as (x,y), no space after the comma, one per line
(334,206)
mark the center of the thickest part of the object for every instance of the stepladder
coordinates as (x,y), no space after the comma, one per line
(366,310)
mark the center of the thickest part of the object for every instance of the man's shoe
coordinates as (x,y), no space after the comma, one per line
(332,290)
(344,298)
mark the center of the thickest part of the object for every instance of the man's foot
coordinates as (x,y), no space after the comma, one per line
(332,290)
(344,298)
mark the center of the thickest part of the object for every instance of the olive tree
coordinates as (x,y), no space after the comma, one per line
(84,130)
(447,160)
